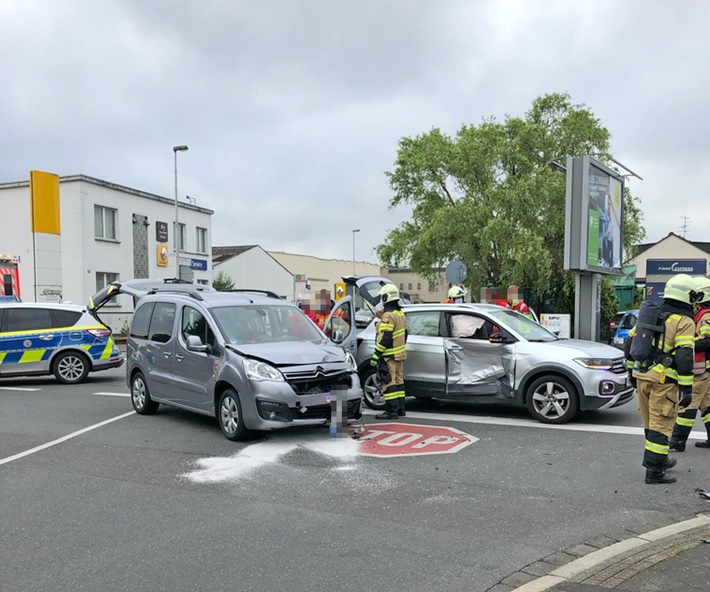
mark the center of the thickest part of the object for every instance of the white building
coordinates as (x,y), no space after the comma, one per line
(99,233)
(251,267)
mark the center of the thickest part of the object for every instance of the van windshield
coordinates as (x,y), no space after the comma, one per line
(265,324)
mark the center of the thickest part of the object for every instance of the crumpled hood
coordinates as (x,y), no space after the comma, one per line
(590,349)
(293,353)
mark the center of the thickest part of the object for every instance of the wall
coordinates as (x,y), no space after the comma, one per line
(419,291)
(256,269)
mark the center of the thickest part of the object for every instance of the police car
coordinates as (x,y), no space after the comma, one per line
(61,339)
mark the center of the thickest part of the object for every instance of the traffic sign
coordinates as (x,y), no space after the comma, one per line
(456,272)
(410,439)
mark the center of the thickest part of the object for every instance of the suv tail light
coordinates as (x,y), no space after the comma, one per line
(99,332)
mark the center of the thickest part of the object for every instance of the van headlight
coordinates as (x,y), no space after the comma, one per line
(259,371)
(350,361)
(595,363)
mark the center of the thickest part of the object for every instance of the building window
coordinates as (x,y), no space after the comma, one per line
(181,237)
(104,222)
(401,286)
(104,278)
(409,286)
(201,240)
(432,286)
(419,285)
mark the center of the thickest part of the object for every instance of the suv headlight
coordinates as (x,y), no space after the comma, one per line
(595,363)
(256,370)
(350,361)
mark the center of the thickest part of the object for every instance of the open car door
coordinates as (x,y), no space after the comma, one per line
(340,325)
(107,294)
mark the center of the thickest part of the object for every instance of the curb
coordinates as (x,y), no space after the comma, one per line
(644,545)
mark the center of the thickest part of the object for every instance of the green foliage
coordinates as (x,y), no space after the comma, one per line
(222,282)
(489,197)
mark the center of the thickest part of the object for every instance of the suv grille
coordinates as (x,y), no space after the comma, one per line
(619,366)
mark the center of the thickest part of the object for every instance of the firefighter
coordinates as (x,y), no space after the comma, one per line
(701,374)
(669,381)
(391,348)
(456,294)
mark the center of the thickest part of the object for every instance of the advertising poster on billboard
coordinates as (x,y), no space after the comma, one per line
(604,220)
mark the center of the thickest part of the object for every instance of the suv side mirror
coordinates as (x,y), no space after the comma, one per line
(497,337)
(194,343)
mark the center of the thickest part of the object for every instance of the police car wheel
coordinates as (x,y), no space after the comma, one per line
(230,417)
(70,367)
(372,393)
(552,399)
(140,396)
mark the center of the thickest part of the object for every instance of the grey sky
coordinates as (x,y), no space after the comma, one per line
(293,109)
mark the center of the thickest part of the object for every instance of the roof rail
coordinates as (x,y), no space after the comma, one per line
(268,293)
(192,294)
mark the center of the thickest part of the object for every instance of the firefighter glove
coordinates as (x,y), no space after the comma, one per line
(632,379)
(685,395)
(373,362)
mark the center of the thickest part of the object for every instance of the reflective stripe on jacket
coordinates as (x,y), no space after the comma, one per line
(392,336)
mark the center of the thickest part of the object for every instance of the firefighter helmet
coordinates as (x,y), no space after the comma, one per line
(679,288)
(702,289)
(457,292)
(389,293)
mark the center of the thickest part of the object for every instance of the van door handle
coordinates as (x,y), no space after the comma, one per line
(454,348)
(178,357)
(167,354)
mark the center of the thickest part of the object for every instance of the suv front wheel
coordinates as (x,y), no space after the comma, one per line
(372,390)
(552,399)
(229,414)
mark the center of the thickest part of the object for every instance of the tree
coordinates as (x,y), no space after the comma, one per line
(222,282)
(490,197)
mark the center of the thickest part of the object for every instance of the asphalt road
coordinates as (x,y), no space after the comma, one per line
(137,504)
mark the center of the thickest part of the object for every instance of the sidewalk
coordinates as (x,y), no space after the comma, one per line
(675,558)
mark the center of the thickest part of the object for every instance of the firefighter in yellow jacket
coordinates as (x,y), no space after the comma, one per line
(701,373)
(391,349)
(670,380)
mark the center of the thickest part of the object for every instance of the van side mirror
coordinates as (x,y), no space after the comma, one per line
(194,343)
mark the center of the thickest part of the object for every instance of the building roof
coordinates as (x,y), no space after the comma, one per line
(698,245)
(117,187)
(222,254)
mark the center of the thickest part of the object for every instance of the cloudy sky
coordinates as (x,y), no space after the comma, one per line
(293,109)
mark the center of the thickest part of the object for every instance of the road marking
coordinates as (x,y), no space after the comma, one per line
(111,394)
(9,459)
(18,388)
(531,423)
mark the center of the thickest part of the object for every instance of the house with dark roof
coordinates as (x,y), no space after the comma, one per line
(671,247)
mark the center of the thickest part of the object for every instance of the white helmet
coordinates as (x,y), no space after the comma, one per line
(457,292)
(389,293)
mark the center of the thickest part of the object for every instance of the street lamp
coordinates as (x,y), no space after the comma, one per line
(177,149)
(354,231)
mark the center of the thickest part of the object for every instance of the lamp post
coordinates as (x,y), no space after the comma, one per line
(177,149)
(354,231)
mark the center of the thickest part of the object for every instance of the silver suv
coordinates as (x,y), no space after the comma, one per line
(250,359)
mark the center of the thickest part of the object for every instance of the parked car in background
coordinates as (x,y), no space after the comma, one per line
(627,322)
(614,323)
(483,352)
(61,339)
(363,317)
(249,359)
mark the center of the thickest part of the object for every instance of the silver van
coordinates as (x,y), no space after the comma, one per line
(248,358)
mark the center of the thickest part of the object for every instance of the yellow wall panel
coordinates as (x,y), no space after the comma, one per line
(44,199)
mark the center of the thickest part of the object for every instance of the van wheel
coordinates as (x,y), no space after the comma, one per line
(140,396)
(372,390)
(552,399)
(70,367)
(230,417)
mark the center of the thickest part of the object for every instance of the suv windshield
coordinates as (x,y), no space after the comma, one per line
(265,324)
(523,325)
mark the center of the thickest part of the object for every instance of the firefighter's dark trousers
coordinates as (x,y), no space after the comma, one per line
(686,415)
(658,404)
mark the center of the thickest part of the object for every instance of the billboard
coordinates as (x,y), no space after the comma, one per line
(594,214)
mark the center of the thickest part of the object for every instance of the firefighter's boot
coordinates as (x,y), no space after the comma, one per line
(401,411)
(658,477)
(670,463)
(676,444)
(390,411)
(703,444)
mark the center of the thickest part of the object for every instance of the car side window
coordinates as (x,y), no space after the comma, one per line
(195,323)
(162,322)
(141,321)
(629,321)
(27,319)
(65,318)
(424,323)
(469,326)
